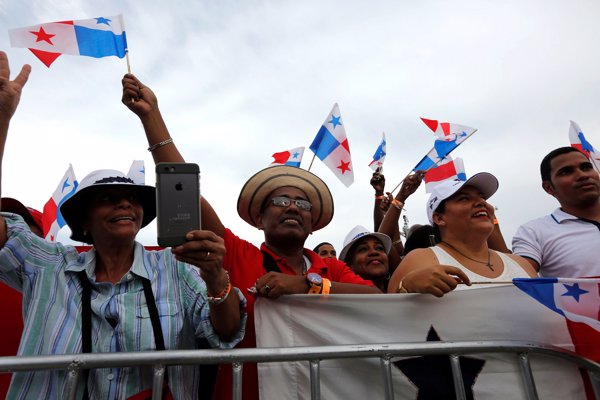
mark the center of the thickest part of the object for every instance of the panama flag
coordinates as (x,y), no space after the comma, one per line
(379,156)
(331,146)
(449,137)
(579,141)
(96,37)
(292,157)
(578,300)
(448,168)
(52,218)
(137,172)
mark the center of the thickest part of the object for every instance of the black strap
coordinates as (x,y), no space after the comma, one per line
(269,262)
(86,322)
(86,325)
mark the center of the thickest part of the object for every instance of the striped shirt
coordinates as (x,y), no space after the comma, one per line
(46,273)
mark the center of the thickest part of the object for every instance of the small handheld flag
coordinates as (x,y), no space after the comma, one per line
(379,156)
(579,141)
(292,157)
(449,137)
(96,37)
(137,172)
(52,219)
(448,168)
(331,146)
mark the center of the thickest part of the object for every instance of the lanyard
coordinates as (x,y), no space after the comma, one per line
(86,321)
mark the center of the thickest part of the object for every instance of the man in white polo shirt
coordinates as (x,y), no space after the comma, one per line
(566,242)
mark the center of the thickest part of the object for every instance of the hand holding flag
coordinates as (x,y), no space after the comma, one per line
(292,157)
(96,37)
(331,146)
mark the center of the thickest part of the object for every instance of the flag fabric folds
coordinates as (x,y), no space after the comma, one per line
(137,172)
(448,168)
(379,156)
(496,313)
(292,157)
(331,146)
(52,218)
(449,137)
(579,141)
(96,37)
(577,300)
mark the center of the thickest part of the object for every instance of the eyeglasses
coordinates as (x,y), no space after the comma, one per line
(282,201)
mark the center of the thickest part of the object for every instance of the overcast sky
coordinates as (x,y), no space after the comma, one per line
(240,80)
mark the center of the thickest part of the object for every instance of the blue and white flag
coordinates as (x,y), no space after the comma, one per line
(379,156)
(331,146)
(137,172)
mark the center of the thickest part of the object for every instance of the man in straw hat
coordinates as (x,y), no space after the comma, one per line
(287,204)
(563,243)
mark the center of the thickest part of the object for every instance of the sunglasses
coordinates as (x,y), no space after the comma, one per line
(282,201)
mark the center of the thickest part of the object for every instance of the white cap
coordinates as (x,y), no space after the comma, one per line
(484,181)
(359,232)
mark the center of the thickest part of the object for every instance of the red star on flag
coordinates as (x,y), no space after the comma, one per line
(43,36)
(344,166)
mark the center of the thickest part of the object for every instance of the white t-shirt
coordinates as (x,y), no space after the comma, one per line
(562,244)
(511,269)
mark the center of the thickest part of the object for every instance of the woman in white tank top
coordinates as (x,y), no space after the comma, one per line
(459,210)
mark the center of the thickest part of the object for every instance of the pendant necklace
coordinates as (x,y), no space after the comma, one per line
(487,264)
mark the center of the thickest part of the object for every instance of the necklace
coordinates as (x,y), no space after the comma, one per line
(487,264)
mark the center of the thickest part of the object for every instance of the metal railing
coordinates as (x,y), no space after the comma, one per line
(75,363)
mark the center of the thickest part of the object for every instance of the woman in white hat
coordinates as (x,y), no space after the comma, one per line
(117,297)
(459,210)
(366,253)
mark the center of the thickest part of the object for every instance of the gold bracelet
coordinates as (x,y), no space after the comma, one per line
(160,144)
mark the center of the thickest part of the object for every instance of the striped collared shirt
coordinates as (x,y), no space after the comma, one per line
(46,273)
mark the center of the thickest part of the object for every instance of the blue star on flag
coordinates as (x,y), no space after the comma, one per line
(574,291)
(335,120)
(102,20)
(65,185)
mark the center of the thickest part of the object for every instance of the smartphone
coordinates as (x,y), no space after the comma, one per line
(177,202)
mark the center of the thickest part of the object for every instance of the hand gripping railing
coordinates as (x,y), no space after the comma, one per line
(75,363)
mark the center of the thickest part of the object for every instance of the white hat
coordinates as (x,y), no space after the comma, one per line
(72,208)
(484,181)
(359,232)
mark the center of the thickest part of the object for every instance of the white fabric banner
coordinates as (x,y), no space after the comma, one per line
(499,313)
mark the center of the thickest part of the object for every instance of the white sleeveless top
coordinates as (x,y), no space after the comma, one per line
(511,269)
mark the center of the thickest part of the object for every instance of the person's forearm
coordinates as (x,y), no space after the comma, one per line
(156,133)
(226,317)
(349,288)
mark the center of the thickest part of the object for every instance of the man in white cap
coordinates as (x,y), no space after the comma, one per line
(287,204)
(563,243)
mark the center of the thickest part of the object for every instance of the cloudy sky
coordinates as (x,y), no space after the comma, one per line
(240,80)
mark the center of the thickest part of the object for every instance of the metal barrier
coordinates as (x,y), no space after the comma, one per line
(75,363)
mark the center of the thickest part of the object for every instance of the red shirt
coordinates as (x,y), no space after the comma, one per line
(244,262)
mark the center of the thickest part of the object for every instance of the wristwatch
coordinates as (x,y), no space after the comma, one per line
(315,281)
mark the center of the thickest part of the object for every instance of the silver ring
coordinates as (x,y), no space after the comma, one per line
(207,255)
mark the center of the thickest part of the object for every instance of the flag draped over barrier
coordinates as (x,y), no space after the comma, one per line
(498,313)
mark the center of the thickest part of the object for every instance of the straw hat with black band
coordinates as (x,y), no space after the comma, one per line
(257,189)
(74,208)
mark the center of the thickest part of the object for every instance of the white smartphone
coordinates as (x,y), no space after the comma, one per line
(177,202)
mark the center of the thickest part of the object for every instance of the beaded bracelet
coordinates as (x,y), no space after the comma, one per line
(160,144)
(221,297)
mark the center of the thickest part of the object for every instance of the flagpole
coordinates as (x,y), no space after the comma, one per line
(311,162)
(440,160)
(127,58)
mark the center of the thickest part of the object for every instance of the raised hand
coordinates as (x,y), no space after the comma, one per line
(10,91)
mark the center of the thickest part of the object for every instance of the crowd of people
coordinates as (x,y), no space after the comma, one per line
(119,296)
